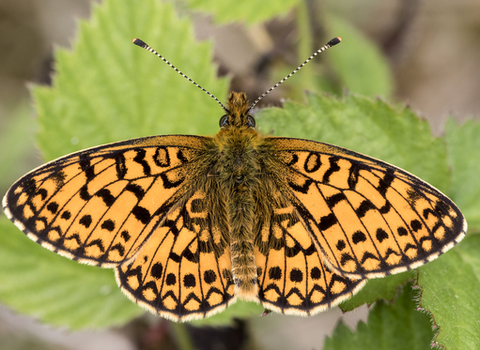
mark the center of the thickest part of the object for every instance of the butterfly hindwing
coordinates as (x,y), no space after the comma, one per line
(184,271)
(368,218)
(292,277)
(98,206)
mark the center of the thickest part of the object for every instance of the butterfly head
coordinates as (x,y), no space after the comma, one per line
(238,112)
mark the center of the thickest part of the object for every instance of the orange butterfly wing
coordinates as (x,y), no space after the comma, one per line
(135,206)
(184,271)
(100,205)
(292,277)
(367,217)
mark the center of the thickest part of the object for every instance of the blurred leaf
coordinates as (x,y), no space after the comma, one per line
(358,62)
(18,131)
(56,290)
(463,157)
(248,11)
(394,326)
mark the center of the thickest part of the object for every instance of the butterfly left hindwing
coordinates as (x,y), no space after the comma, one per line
(292,276)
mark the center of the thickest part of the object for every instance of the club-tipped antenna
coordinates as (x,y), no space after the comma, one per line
(328,45)
(142,44)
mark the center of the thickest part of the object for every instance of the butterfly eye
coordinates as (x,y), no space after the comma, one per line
(251,121)
(224,121)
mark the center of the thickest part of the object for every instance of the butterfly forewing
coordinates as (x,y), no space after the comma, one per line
(368,218)
(100,205)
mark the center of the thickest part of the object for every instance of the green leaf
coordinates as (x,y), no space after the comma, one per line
(394,326)
(463,155)
(365,125)
(377,288)
(56,290)
(358,62)
(249,11)
(108,89)
(450,288)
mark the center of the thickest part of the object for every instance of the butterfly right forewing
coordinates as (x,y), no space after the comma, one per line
(100,205)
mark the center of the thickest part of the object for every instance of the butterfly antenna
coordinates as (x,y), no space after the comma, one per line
(142,44)
(328,45)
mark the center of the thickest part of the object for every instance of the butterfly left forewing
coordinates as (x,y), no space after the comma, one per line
(98,206)
(368,218)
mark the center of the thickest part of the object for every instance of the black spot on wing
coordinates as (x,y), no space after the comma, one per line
(140,159)
(108,225)
(29,186)
(141,214)
(301,188)
(66,215)
(87,169)
(381,235)
(119,248)
(52,207)
(86,221)
(96,242)
(120,166)
(364,207)
(84,193)
(331,170)
(358,237)
(106,196)
(385,182)
(353,176)
(327,221)
(312,163)
(43,193)
(138,191)
(346,258)
(293,160)
(167,183)
(335,199)
(181,157)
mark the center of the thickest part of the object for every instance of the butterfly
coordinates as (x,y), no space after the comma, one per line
(192,223)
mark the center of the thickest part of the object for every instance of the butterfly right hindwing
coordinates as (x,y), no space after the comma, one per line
(184,271)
